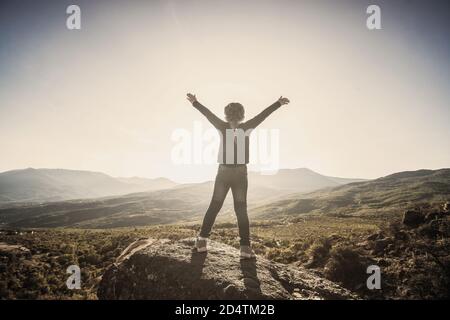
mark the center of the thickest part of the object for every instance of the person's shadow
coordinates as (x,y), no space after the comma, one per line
(197,263)
(251,282)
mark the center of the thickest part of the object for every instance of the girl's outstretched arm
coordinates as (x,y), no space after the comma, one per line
(256,121)
(215,120)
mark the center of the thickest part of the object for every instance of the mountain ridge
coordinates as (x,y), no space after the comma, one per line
(187,203)
(50,185)
(373,197)
(182,202)
(44,185)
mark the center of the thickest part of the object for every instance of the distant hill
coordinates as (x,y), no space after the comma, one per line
(379,197)
(43,185)
(180,203)
(270,197)
(46,185)
(298,180)
(149,184)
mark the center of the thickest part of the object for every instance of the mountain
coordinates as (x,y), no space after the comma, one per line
(269,197)
(149,184)
(46,185)
(181,203)
(43,185)
(379,197)
(298,180)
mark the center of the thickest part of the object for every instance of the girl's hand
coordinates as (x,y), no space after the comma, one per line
(283,100)
(191,97)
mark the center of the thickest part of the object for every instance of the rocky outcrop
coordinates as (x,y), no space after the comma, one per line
(414,254)
(165,269)
(14,249)
(413,218)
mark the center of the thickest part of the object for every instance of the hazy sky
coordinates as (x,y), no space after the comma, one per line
(109,96)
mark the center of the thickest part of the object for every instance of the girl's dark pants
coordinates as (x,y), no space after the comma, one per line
(228,177)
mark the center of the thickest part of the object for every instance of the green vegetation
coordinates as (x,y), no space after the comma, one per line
(413,261)
(41,273)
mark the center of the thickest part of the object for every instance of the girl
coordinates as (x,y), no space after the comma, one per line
(232,173)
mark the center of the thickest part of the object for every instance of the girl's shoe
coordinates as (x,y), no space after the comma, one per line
(247,253)
(200,245)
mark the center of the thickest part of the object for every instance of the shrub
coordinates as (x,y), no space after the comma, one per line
(347,267)
(318,253)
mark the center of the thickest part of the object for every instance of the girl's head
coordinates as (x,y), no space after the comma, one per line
(234,112)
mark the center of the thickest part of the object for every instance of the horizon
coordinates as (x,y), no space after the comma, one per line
(109,97)
(203,181)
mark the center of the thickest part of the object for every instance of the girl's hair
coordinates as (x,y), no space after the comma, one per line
(234,112)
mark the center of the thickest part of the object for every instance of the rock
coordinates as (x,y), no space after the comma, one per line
(412,218)
(372,237)
(364,244)
(431,230)
(382,244)
(377,235)
(382,262)
(166,269)
(401,235)
(432,216)
(14,249)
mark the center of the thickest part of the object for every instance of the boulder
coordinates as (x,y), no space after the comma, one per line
(14,249)
(381,245)
(380,234)
(401,235)
(412,218)
(167,269)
